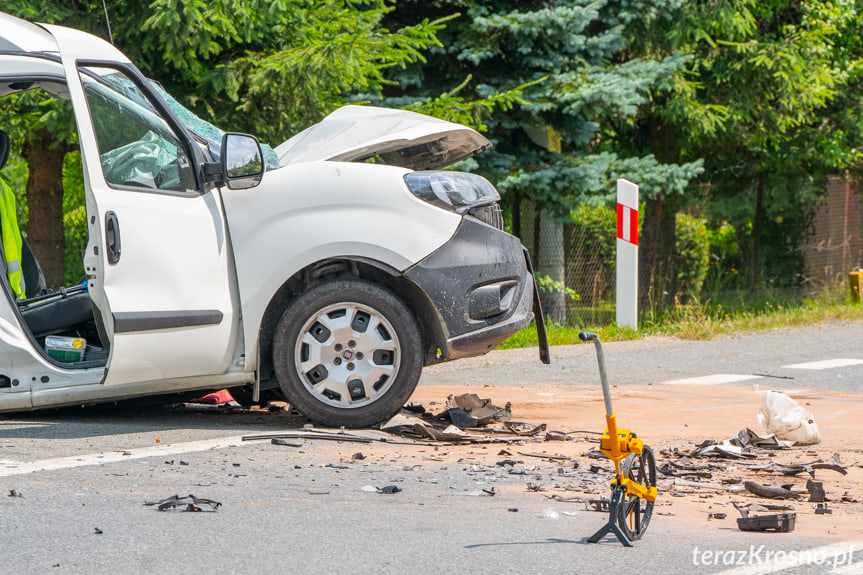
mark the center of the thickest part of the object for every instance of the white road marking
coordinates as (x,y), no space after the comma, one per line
(852,569)
(825,364)
(715,379)
(9,468)
(825,557)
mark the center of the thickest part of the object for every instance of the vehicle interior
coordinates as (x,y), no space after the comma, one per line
(65,315)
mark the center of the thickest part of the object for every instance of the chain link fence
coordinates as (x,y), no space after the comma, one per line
(579,254)
(834,244)
(576,255)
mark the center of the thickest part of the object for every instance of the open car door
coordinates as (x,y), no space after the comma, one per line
(158,260)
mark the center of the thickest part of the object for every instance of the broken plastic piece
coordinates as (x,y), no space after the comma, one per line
(780,522)
(747,436)
(483,411)
(190,502)
(597,504)
(770,491)
(822,509)
(816,491)
(389,489)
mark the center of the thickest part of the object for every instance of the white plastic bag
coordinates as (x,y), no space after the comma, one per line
(788,420)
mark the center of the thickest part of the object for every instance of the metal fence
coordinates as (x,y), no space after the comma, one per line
(834,244)
(580,254)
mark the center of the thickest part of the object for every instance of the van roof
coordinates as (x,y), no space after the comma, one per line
(17,35)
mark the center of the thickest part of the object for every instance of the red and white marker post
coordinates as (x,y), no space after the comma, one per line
(627,254)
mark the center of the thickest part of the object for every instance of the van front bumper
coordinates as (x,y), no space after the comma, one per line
(481,285)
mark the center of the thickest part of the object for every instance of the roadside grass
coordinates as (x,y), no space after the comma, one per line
(706,321)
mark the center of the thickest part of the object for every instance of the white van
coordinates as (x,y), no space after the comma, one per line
(212,263)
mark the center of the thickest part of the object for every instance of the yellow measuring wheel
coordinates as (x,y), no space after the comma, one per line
(633,489)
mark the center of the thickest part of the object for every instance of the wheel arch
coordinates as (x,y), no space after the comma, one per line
(416,300)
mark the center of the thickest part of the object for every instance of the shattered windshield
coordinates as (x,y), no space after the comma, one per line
(208,131)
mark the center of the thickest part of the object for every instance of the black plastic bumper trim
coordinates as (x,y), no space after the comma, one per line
(477,259)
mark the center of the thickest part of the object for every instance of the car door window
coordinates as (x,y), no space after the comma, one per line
(137,147)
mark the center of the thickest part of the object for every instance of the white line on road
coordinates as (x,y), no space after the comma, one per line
(836,555)
(9,468)
(715,379)
(852,569)
(825,364)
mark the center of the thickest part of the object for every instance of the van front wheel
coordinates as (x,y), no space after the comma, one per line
(347,353)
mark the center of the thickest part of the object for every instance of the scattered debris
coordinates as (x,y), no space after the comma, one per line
(780,522)
(717,515)
(816,491)
(679,482)
(311,434)
(14,493)
(601,505)
(280,441)
(534,486)
(190,502)
(822,509)
(747,437)
(525,429)
(724,449)
(389,489)
(469,409)
(550,513)
(97,531)
(513,509)
(545,456)
(770,491)
(358,456)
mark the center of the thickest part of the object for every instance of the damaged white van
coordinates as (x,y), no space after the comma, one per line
(212,263)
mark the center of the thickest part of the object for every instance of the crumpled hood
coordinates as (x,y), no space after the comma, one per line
(399,137)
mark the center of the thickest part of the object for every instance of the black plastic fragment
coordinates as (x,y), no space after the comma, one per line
(187,503)
(779,522)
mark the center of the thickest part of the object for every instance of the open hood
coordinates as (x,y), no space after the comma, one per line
(399,137)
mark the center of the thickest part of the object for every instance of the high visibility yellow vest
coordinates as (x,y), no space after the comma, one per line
(11,237)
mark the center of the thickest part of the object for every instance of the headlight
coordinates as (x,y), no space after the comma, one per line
(456,191)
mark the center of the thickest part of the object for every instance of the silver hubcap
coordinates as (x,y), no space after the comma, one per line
(347,355)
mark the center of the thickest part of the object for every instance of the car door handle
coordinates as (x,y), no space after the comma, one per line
(112,237)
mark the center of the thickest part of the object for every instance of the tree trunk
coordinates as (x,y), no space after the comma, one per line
(756,233)
(45,230)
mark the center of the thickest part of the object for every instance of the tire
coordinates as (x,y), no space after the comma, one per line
(347,353)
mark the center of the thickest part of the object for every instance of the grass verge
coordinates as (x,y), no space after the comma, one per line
(702,322)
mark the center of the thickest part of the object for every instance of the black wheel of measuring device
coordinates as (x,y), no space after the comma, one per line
(633,516)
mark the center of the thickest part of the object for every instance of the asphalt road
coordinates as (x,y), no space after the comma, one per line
(309,509)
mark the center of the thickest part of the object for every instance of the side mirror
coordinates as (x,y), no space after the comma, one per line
(242,161)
